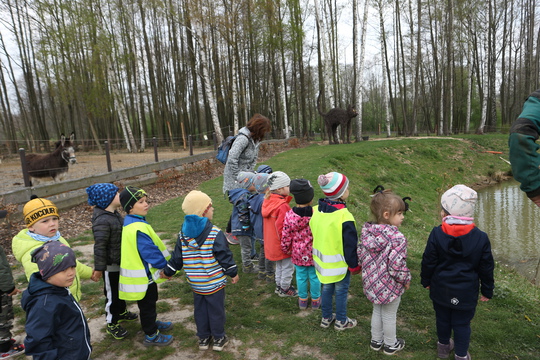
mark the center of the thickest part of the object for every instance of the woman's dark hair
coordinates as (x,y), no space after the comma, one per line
(258,125)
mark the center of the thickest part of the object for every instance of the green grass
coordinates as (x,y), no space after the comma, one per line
(507,327)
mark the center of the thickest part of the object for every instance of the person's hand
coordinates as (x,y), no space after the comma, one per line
(483,298)
(163,276)
(536,200)
(96,275)
(235,279)
(407,286)
(427,287)
(14,292)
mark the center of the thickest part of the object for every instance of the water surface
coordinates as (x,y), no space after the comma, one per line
(512,222)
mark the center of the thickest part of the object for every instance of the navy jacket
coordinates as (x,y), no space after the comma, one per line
(56,327)
(198,228)
(456,267)
(255,215)
(240,221)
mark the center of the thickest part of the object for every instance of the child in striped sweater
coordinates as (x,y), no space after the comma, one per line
(203,252)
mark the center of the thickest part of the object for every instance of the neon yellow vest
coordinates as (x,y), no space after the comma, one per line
(133,279)
(327,229)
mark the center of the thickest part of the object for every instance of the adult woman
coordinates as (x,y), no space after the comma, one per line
(245,149)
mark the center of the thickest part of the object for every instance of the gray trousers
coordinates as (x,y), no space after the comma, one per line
(245,250)
(6,317)
(284,273)
(383,322)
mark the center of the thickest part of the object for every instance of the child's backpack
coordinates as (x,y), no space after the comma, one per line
(223,150)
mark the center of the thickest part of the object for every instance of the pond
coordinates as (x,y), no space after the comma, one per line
(512,223)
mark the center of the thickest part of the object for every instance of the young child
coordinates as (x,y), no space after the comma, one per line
(274,208)
(203,252)
(7,291)
(42,221)
(107,226)
(56,327)
(334,249)
(296,240)
(382,253)
(142,257)
(457,262)
(266,267)
(240,219)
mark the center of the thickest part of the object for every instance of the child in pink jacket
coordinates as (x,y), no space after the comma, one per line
(297,240)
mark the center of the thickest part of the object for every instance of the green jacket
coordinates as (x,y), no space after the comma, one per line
(6,277)
(524,155)
(22,246)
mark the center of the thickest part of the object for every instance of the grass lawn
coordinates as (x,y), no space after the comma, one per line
(265,326)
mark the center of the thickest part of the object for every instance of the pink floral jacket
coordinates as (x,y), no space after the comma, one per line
(382,253)
(296,238)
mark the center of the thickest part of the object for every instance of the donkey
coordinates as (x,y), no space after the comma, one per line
(55,164)
(335,117)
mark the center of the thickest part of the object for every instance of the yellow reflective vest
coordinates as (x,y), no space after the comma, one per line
(327,230)
(133,278)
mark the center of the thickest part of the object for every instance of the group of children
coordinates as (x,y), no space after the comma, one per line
(320,244)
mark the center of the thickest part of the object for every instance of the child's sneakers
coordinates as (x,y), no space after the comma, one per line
(219,344)
(326,322)
(376,345)
(127,316)
(164,325)
(291,291)
(14,350)
(347,324)
(204,344)
(392,349)
(116,331)
(316,304)
(467,357)
(158,339)
(302,303)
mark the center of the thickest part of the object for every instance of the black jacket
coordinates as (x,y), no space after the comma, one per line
(456,267)
(107,229)
(56,327)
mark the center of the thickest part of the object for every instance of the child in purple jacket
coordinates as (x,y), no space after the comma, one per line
(382,253)
(297,240)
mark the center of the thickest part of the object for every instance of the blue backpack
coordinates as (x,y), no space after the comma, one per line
(223,150)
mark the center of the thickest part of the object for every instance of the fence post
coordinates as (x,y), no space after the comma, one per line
(108,156)
(26,176)
(154,141)
(190,138)
(215,140)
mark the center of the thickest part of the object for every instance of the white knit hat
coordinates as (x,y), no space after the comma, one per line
(460,201)
(277,180)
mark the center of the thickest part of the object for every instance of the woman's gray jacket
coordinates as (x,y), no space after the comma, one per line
(242,157)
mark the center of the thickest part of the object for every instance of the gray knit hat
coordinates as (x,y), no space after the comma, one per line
(52,258)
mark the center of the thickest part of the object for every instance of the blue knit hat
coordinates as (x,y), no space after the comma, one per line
(264,169)
(101,195)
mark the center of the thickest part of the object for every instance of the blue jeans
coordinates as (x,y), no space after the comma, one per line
(341,290)
(307,275)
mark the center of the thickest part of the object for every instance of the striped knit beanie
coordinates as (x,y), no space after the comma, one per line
(333,184)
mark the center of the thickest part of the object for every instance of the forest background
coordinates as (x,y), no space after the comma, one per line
(125,70)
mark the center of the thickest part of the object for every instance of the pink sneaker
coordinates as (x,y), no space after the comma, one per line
(302,303)
(315,304)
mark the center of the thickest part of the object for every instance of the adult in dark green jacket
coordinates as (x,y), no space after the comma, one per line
(524,155)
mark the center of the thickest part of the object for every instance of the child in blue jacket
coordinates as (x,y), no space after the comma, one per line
(56,327)
(240,217)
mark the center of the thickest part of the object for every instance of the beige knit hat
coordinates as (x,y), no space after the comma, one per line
(196,203)
(460,201)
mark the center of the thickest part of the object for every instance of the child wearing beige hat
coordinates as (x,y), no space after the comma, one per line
(202,251)
(457,264)
(42,221)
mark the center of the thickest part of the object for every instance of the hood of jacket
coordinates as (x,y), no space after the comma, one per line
(375,237)
(194,225)
(460,246)
(37,287)
(235,194)
(274,202)
(300,222)
(328,206)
